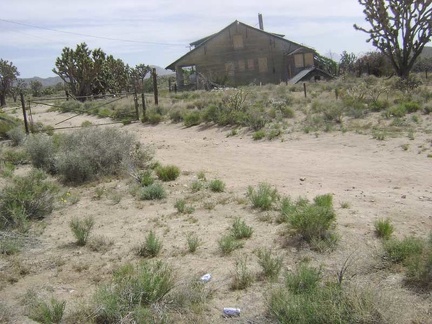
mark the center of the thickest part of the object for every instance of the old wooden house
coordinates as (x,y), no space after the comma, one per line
(241,54)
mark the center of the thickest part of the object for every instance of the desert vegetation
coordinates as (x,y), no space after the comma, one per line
(118,234)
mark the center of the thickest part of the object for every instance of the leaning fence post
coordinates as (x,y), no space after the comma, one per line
(24,113)
(155,89)
(304,89)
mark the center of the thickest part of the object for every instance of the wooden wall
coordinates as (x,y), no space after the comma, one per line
(241,55)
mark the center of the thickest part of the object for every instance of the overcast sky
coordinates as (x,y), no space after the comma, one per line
(157,32)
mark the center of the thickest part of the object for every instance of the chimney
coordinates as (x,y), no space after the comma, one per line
(260,19)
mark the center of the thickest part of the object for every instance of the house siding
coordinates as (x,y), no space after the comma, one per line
(240,55)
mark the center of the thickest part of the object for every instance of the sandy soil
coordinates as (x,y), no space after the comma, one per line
(377,179)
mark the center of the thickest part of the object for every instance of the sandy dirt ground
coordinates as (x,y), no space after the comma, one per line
(375,179)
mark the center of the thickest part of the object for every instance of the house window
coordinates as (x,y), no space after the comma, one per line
(298,60)
(251,65)
(262,64)
(241,65)
(229,68)
(238,41)
(309,60)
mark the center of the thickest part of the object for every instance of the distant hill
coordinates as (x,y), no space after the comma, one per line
(52,81)
(46,82)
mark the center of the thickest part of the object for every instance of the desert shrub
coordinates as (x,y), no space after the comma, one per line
(240,230)
(191,296)
(28,197)
(99,243)
(305,299)
(10,245)
(271,265)
(243,277)
(145,178)
(263,197)
(153,192)
(192,118)
(197,185)
(151,247)
(411,106)
(176,116)
(398,111)
(193,242)
(153,118)
(17,135)
(216,185)
(400,251)
(132,291)
(92,152)
(14,156)
(81,229)
(6,124)
(168,172)
(419,268)
(313,221)
(228,244)
(273,133)
(47,313)
(258,135)
(182,207)
(42,151)
(383,228)
(304,280)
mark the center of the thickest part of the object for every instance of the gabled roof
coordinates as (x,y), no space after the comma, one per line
(204,40)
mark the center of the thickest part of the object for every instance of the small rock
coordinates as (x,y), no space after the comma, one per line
(302,179)
(403,196)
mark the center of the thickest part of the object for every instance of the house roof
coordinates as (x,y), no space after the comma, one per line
(204,40)
(302,75)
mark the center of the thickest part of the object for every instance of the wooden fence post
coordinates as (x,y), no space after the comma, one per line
(337,93)
(136,106)
(304,89)
(24,113)
(144,107)
(155,89)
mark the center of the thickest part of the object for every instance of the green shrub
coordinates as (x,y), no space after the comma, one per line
(81,229)
(263,197)
(240,230)
(176,116)
(271,265)
(17,135)
(168,172)
(398,111)
(152,192)
(243,278)
(304,280)
(153,117)
(151,246)
(193,242)
(258,135)
(28,197)
(419,268)
(313,221)
(192,118)
(48,313)
(92,152)
(273,133)
(145,178)
(228,244)
(15,156)
(181,207)
(42,151)
(197,185)
(217,185)
(131,293)
(383,228)
(412,106)
(399,251)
